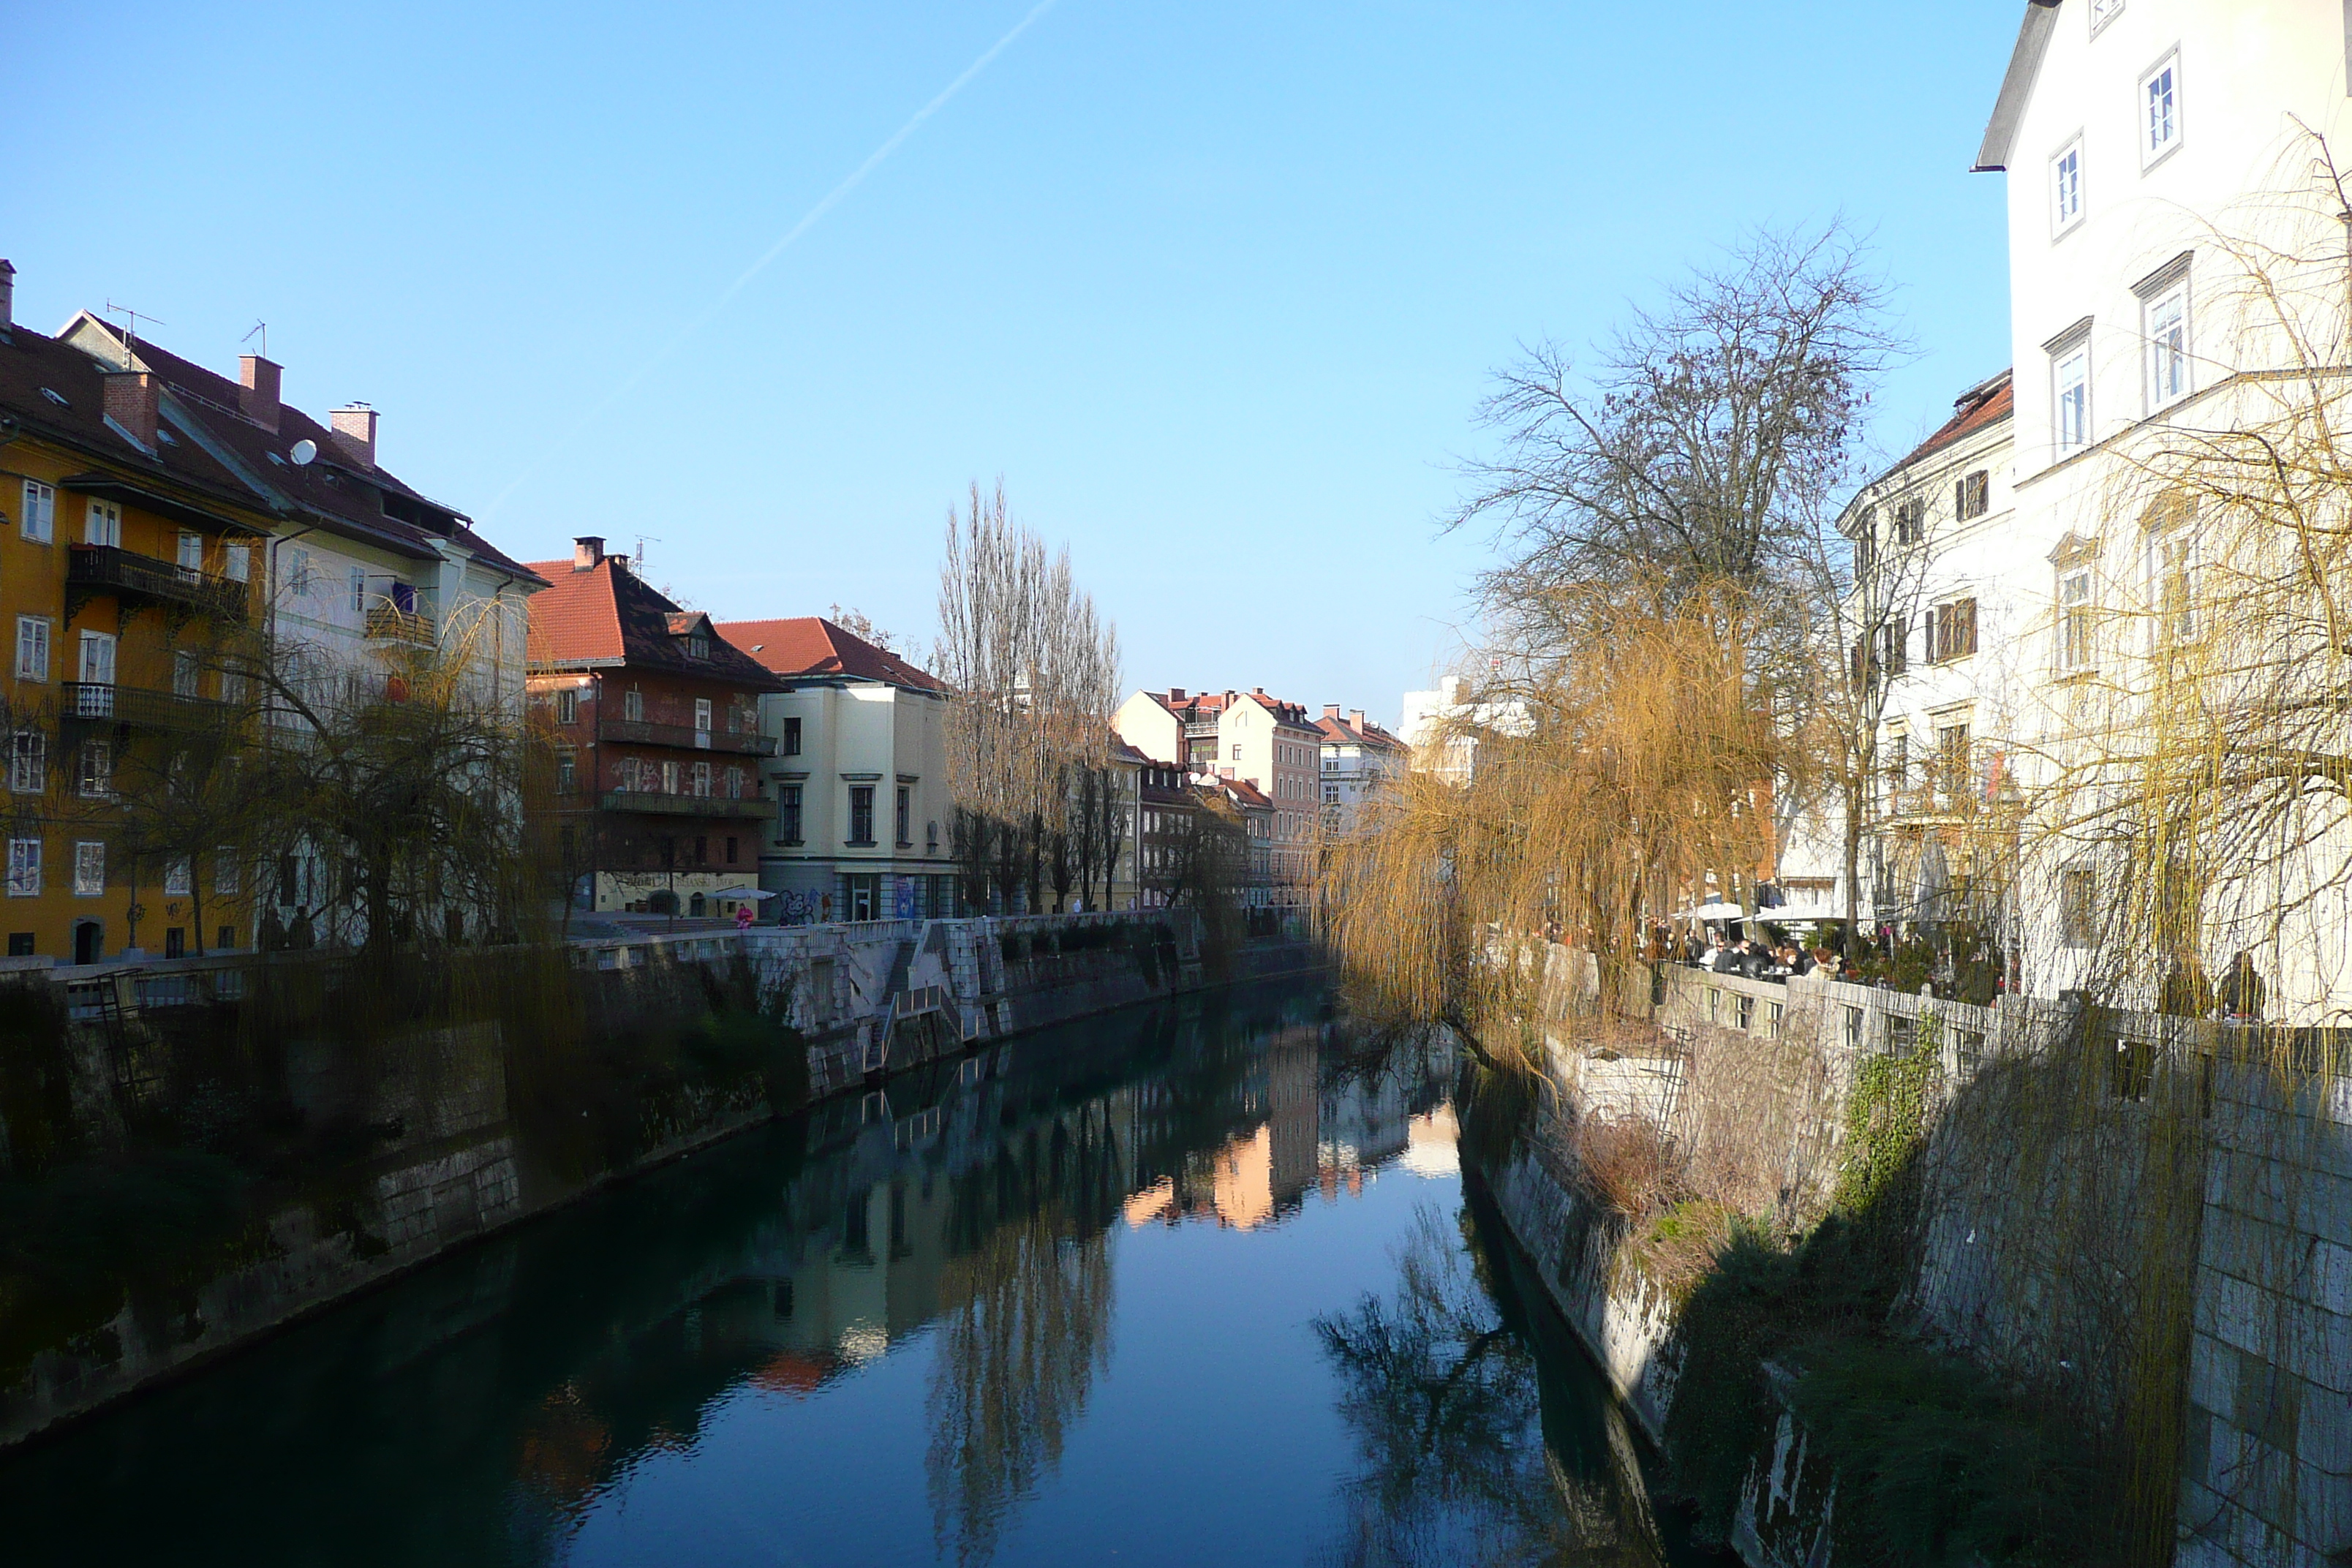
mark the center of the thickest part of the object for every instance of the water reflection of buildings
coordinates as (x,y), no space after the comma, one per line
(1326,1132)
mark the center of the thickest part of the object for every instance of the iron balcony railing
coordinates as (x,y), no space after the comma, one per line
(649,804)
(135,706)
(390,623)
(684,737)
(109,569)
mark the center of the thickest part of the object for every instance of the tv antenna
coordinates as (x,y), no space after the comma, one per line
(262,329)
(131,331)
(640,561)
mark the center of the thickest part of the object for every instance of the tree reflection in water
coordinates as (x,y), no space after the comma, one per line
(1024,1327)
(1466,1455)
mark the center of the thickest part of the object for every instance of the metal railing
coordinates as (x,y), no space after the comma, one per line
(100,703)
(652,804)
(110,569)
(684,737)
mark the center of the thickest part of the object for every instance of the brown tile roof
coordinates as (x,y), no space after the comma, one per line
(369,504)
(607,615)
(1340,733)
(32,365)
(810,645)
(1247,793)
(1986,402)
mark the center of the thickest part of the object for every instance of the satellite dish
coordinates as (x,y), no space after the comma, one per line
(302,451)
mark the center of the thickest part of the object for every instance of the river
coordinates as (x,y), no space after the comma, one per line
(1194,1283)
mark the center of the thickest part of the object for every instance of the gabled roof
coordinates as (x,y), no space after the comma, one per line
(812,645)
(369,504)
(606,615)
(1986,403)
(2016,86)
(1121,751)
(1246,793)
(1204,707)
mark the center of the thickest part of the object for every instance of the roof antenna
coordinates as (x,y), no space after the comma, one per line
(131,334)
(263,328)
(640,563)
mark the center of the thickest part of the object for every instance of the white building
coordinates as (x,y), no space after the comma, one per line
(863,806)
(1360,761)
(1445,727)
(1250,736)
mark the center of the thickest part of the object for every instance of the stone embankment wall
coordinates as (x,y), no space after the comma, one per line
(385,1155)
(1756,1078)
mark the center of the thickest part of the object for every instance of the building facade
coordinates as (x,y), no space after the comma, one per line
(658,802)
(858,823)
(1360,759)
(1250,736)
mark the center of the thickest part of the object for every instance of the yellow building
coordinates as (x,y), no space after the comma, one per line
(127,560)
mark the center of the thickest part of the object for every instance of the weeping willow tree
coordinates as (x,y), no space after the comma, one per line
(1662,620)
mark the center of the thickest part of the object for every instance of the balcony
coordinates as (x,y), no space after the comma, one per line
(108,569)
(388,622)
(92,702)
(646,802)
(684,737)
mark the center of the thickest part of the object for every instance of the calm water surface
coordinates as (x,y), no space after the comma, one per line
(1196,1284)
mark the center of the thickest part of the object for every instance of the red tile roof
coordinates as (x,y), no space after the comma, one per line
(1986,402)
(810,645)
(1341,733)
(607,615)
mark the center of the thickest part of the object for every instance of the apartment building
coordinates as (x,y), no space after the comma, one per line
(857,828)
(1360,759)
(659,802)
(1252,737)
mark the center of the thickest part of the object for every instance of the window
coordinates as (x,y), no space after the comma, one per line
(730,849)
(40,519)
(1911,521)
(670,778)
(229,873)
(1898,766)
(1952,760)
(192,551)
(358,586)
(2076,629)
(701,849)
(2077,907)
(697,646)
(2160,97)
(186,671)
(2070,372)
(2164,323)
(23,867)
(788,813)
(32,647)
(2172,589)
(1952,630)
(701,719)
(567,707)
(2066,189)
(861,813)
(1972,497)
(734,783)
(89,869)
(2104,12)
(97,658)
(179,877)
(101,522)
(28,753)
(702,781)
(930,839)
(236,563)
(905,824)
(96,779)
(633,706)
(1237,752)
(567,771)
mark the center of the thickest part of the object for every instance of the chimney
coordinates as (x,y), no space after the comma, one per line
(1175,696)
(1331,712)
(131,397)
(1356,720)
(257,396)
(7,298)
(354,426)
(586,552)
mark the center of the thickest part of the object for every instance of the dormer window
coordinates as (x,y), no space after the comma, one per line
(698,646)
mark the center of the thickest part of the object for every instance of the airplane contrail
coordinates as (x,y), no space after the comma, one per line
(808,220)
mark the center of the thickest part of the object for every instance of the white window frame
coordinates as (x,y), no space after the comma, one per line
(2172,554)
(33,638)
(359,590)
(28,762)
(179,877)
(191,550)
(2104,12)
(2078,618)
(2167,370)
(23,867)
(101,522)
(702,718)
(567,706)
(2160,110)
(39,523)
(187,673)
(96,663)
(2067,195)
(94,778)
(2074,349)
(89,869)
(236,563)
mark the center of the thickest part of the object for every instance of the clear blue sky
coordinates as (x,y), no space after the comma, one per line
(1214,286)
